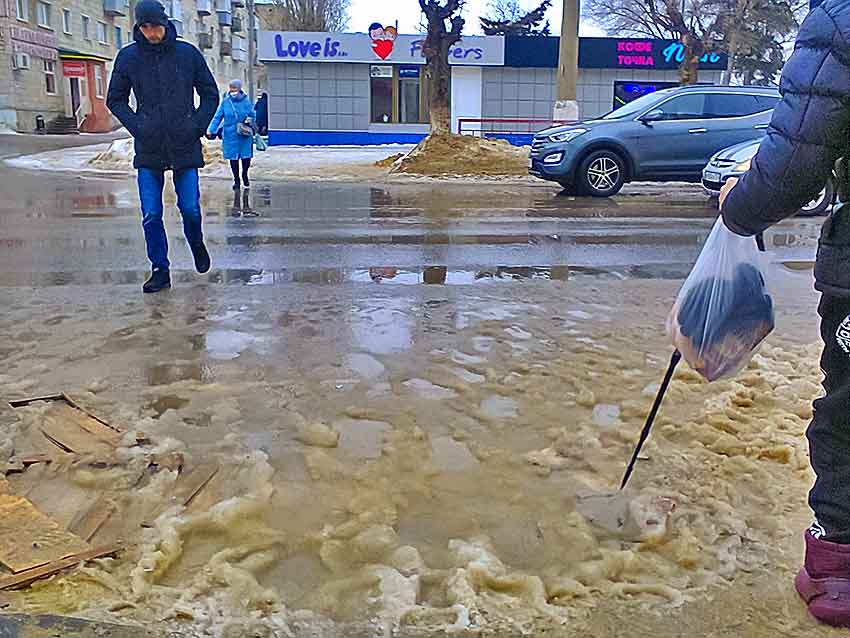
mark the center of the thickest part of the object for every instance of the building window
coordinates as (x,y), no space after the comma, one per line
(119,38)
(101,33)
(86,27)
(98,81)
(44,14)
(382,93)
(409,95)
(50,77)
(23,9)
(66,21)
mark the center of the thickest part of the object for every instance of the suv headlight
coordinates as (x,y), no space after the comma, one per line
(567,136)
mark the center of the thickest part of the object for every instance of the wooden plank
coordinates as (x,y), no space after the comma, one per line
(50,569)
(186,488)
(91,416)
(30,539)
(88,523)
(61,426)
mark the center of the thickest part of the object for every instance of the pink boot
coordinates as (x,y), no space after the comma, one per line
(824,582)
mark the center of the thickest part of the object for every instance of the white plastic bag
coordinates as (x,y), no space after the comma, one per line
(723,311)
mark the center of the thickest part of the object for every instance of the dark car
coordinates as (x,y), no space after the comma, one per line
(668,135)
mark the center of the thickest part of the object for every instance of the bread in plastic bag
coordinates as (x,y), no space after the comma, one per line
(723,311)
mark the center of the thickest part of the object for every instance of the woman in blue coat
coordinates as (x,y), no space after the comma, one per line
(235,109)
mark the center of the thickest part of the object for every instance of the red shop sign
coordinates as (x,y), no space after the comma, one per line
(73,69)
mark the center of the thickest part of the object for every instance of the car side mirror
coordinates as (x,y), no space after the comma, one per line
(652,116)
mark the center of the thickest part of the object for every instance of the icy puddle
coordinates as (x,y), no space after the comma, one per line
(463,480)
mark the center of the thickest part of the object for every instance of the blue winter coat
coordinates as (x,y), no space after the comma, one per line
(230,111)
(166,126)
(809,131)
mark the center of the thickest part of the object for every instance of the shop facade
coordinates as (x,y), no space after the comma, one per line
(370,88)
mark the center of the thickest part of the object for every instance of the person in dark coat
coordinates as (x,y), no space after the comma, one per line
(164,73)
(262,111)
(809,132)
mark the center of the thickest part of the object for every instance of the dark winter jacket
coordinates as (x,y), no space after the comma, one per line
(166,126)
(809,131)
(262,110)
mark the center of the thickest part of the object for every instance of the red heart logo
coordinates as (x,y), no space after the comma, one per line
(382,48)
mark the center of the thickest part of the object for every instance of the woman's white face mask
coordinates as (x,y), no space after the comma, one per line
(234,93)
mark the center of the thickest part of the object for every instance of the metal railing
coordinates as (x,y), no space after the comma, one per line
(502,126)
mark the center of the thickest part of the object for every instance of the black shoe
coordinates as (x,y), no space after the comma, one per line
(160,279)
(245,180)
(202,258)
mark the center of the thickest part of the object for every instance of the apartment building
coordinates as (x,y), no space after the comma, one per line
(56,55)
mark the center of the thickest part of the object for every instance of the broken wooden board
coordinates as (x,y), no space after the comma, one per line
(88,523)
(187,486)
(29,539)
(70,430)
(54,567)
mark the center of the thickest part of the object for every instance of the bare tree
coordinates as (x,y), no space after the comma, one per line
(444,24)
(695,23)
(509,18)
(307,15)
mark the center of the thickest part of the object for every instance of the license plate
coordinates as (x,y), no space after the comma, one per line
(712,177)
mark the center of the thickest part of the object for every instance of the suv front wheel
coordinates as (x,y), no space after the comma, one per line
(601,174)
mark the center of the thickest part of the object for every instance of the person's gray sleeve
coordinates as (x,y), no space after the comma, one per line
(807,134)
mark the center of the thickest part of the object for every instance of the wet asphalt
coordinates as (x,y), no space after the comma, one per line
(61,229)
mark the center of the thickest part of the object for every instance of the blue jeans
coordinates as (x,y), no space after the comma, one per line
(151,183)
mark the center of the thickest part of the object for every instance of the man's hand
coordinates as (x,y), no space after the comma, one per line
(727,188)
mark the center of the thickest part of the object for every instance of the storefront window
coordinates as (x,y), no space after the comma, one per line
(98,81)
(50,77)
(409,95)
(382,94)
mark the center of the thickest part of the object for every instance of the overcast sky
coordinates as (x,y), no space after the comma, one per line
(364,12)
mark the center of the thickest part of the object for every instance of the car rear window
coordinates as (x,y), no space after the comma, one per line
(719,105)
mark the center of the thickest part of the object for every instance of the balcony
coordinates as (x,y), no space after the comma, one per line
(222,6)
(239,56)
(238,3)
(114,8)
(205,41)
(205,7)
(236,26)
(225,19)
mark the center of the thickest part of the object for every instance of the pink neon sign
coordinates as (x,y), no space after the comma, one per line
(632,53)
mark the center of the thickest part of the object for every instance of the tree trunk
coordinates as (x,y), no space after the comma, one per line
(438,73)
(438,43)
(694,49)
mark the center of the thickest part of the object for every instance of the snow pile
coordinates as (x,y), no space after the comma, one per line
(464,155)
(119,155)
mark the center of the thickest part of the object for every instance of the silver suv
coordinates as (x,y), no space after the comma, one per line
(668,135)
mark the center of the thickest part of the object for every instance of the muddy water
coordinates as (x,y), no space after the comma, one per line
(422,408)
(445,458)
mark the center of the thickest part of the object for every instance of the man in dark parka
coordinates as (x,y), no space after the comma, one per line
(164,73)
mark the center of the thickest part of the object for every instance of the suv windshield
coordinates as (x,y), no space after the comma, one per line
(636,106)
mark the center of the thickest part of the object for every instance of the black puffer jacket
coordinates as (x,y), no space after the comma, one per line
(164,77)
(809,131)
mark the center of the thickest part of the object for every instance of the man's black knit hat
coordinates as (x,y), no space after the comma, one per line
(150,12)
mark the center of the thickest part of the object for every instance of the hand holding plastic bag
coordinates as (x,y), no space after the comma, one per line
(723,311)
